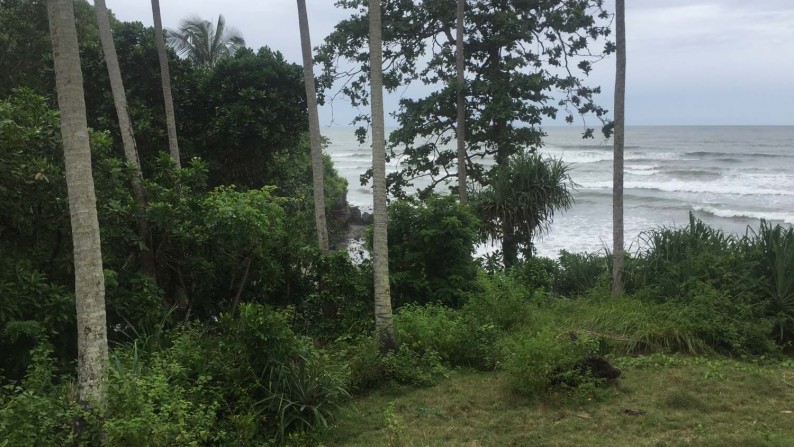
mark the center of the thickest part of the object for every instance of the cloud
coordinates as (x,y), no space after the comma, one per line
(713,61)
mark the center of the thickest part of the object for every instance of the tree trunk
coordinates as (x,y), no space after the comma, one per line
(92,345)
(125,128)
(461,130)
(314,129)
(499,128)
(165,75)
(380,251)
(617,187)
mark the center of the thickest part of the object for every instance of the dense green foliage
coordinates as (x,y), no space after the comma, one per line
(248,335)
(731,291)
(224,243)
(431,244)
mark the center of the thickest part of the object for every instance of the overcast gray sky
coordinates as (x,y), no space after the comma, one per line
(690,62)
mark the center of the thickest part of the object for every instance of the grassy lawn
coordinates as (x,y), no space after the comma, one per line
(684,401)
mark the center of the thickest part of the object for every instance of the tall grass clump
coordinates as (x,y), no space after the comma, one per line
(773,278)
(580,273)
(674,258)
(502,299)
(634,326)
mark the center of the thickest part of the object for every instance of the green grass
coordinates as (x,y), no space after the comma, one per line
(687,401)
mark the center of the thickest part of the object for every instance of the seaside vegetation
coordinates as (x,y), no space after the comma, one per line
(248,335)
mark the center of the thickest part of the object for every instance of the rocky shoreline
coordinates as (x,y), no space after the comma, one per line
(352,224)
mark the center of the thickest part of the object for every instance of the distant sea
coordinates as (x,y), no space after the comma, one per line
(728,176)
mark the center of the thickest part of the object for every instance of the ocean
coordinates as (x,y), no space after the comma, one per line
(728,176)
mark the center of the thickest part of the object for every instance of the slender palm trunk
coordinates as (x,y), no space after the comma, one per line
(314,129)
(461,130)
(92,344)
(165,75)
(125,127)
(380,250)
(617,187)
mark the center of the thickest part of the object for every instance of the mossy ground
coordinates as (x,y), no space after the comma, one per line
(685,400)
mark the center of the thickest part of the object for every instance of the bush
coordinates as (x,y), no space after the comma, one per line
(536,361)
(635,326)
(37,411)
(538,273)
(707,321)
(303,392)
(148,408)
(502,300)
(269,381)
(338,296)
(430,251)
(370,369)
(773,278)
(580,273)
(412,367)
(457,337)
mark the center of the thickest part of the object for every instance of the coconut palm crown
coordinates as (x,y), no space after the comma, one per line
(204,43)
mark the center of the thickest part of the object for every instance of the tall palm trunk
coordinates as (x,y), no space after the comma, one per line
(165,75)
(314,129)
(125,127)
(92,344)
(380,250)
(617,187)
(461,130)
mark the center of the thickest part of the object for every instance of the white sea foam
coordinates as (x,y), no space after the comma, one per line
(729,213)
(642,170)
(725,187)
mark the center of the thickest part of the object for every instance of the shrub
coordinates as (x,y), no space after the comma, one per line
(774,276)
(502,300)
(269,380)
(430,251)
(537,273)
(303,392)
(338,296)
(412,367)
(580,272)
(707,320)
(148,408)
(457,337)
(538,360)
(676,257)
(369,368)
(37,411)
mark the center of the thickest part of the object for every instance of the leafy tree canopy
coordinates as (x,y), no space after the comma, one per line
(525,61)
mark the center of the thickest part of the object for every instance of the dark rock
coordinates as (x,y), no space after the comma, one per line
(354,218)
(589,367)
(598,367)
(366,218)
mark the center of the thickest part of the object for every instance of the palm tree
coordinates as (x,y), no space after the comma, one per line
(521,200)
(125,127)
(314,129)
(384,330)
(165,77)
(204,43)
(617,173)
(92,344)
(461,130)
